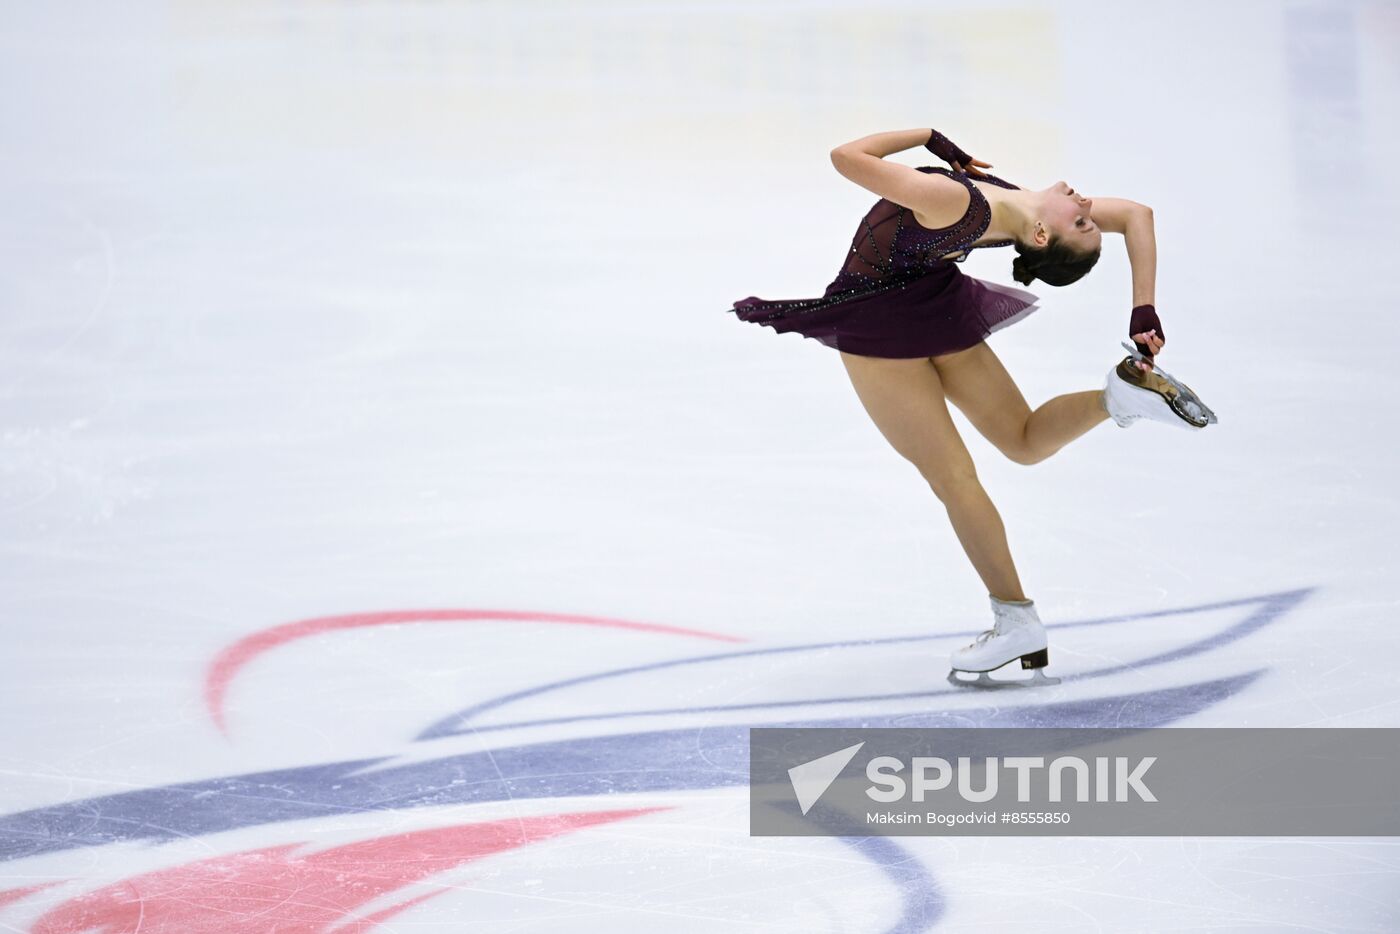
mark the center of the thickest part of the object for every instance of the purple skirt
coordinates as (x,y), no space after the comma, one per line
(940,311)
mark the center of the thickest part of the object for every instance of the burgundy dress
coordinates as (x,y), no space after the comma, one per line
(895,296)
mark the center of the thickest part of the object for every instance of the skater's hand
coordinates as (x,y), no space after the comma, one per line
(959,167)
(953,154)
(1154,346)
(1142,322)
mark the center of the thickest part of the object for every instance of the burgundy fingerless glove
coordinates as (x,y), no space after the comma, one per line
(1144,318)
(945,149)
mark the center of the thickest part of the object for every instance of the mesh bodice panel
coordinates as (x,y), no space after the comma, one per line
(890,243)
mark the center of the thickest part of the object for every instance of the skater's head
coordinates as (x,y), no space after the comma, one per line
(1061,242)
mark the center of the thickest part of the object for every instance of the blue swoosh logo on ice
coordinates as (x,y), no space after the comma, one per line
(1269,607)
(661,760)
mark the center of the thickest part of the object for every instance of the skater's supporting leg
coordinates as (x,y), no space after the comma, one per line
(977,383)
(979,527)
(1016,635)
(905,400)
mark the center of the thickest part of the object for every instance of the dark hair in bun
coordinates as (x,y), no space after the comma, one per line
(1054,264)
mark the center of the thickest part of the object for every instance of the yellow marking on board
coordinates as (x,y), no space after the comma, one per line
(501,76)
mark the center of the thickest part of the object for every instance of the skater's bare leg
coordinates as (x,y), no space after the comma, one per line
(979,528)
(976,382)
(1058,422)
(905,399)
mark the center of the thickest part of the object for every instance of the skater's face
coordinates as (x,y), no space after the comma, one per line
(1069,215)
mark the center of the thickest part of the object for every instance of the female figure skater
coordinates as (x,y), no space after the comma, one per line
(911,330)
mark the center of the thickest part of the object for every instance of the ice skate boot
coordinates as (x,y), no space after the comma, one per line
(1016,634)
(1131,393)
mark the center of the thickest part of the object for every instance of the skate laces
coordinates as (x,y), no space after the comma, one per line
(983,637)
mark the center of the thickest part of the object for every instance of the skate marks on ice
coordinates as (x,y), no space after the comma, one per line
(232,890)
(357,886)
(316,890)
(239,886)
(691,757)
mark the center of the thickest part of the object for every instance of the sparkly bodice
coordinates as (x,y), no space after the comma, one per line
(891,244)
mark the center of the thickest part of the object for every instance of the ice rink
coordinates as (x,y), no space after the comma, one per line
(398,535)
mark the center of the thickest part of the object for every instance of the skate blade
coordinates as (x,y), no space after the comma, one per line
(1177,398)
(984,680)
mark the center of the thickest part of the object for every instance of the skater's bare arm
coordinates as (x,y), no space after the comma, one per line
(930,194)
(1141,238)
(883,144)
(1134,222)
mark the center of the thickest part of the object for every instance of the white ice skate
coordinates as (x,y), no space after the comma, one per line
(1130,393)
(1016,634)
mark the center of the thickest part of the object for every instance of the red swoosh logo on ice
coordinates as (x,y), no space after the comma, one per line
(228,662)
(262,890)
(13,895)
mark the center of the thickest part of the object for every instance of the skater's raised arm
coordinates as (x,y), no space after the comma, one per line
(1134,222)
(1141,239)
(884,144)
(863,163)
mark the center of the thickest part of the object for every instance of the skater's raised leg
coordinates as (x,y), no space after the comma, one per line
(1133,392)
(978,384)
(905,400)
(1060,420)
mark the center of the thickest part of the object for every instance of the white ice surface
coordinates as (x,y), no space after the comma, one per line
(312,309)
